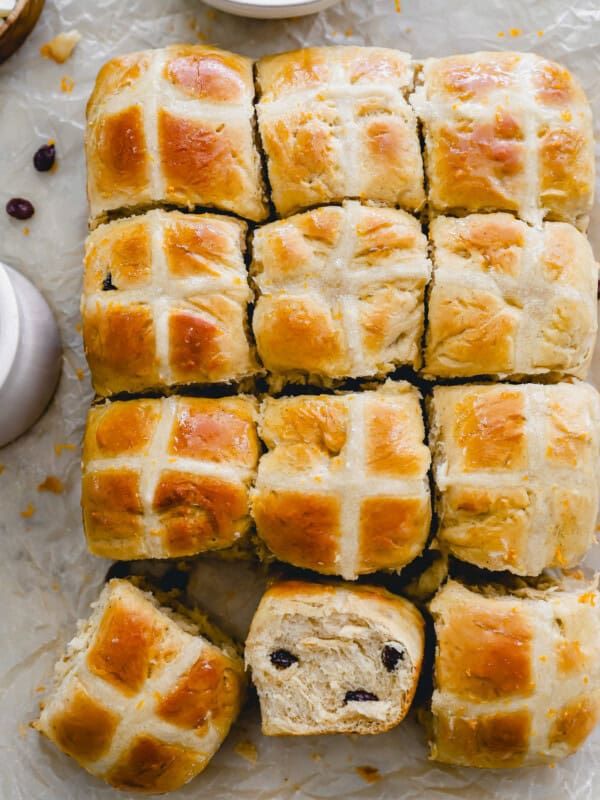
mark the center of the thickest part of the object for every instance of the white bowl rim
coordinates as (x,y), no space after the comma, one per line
(274,4)
(10,324)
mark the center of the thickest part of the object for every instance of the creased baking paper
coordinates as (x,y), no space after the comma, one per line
(47,577)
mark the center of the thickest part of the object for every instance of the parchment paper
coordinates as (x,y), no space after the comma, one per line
(47,579)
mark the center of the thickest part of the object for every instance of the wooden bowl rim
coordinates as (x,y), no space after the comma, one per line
(16,13)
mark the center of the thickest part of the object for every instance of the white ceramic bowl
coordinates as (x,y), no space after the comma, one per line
(271,9)
(30,354)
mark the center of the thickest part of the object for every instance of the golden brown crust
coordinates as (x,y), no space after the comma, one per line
(506,131)
(497,740)
(302,529)
(391,531)
(341,293)
(84,728)
(210,689)
(319,105)
(141,701)
(174,126)
(192,146)
(485,653)
(172,313)
(195,458)
(153,766)
(516,472)
(343,487)
(507,299)
(517,680)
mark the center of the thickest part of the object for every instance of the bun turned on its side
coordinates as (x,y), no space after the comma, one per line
(334,658)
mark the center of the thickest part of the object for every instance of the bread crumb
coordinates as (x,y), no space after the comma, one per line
(51,484)
(61,48)
(56,587)
(211,14)
(29,511)
(40,688)
(78,327)
(247,749)
(201,36)
(515,31)
(192,24)
(2,468)
(348,32)
(79,374)
(58,448)
(67,84)
(316,756)
(23,730)
(369,774)
(26,231)
(398,6)
(501,34)
(540,33)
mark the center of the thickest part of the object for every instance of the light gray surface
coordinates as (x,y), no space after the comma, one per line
(47,578)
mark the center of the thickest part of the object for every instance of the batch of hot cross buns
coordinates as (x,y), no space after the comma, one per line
(280,253)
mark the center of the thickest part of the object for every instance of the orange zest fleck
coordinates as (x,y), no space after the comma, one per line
(515,31)
(67,84)
(398,6)
(58,448)
(540,33)
(29,511)
(51,484)
(588,597)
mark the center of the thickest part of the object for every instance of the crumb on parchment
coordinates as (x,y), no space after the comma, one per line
(79,374)
(247,749)
(369,774)
(67,84)
(29,511)
(2,468)
(61,48)
(51,484)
